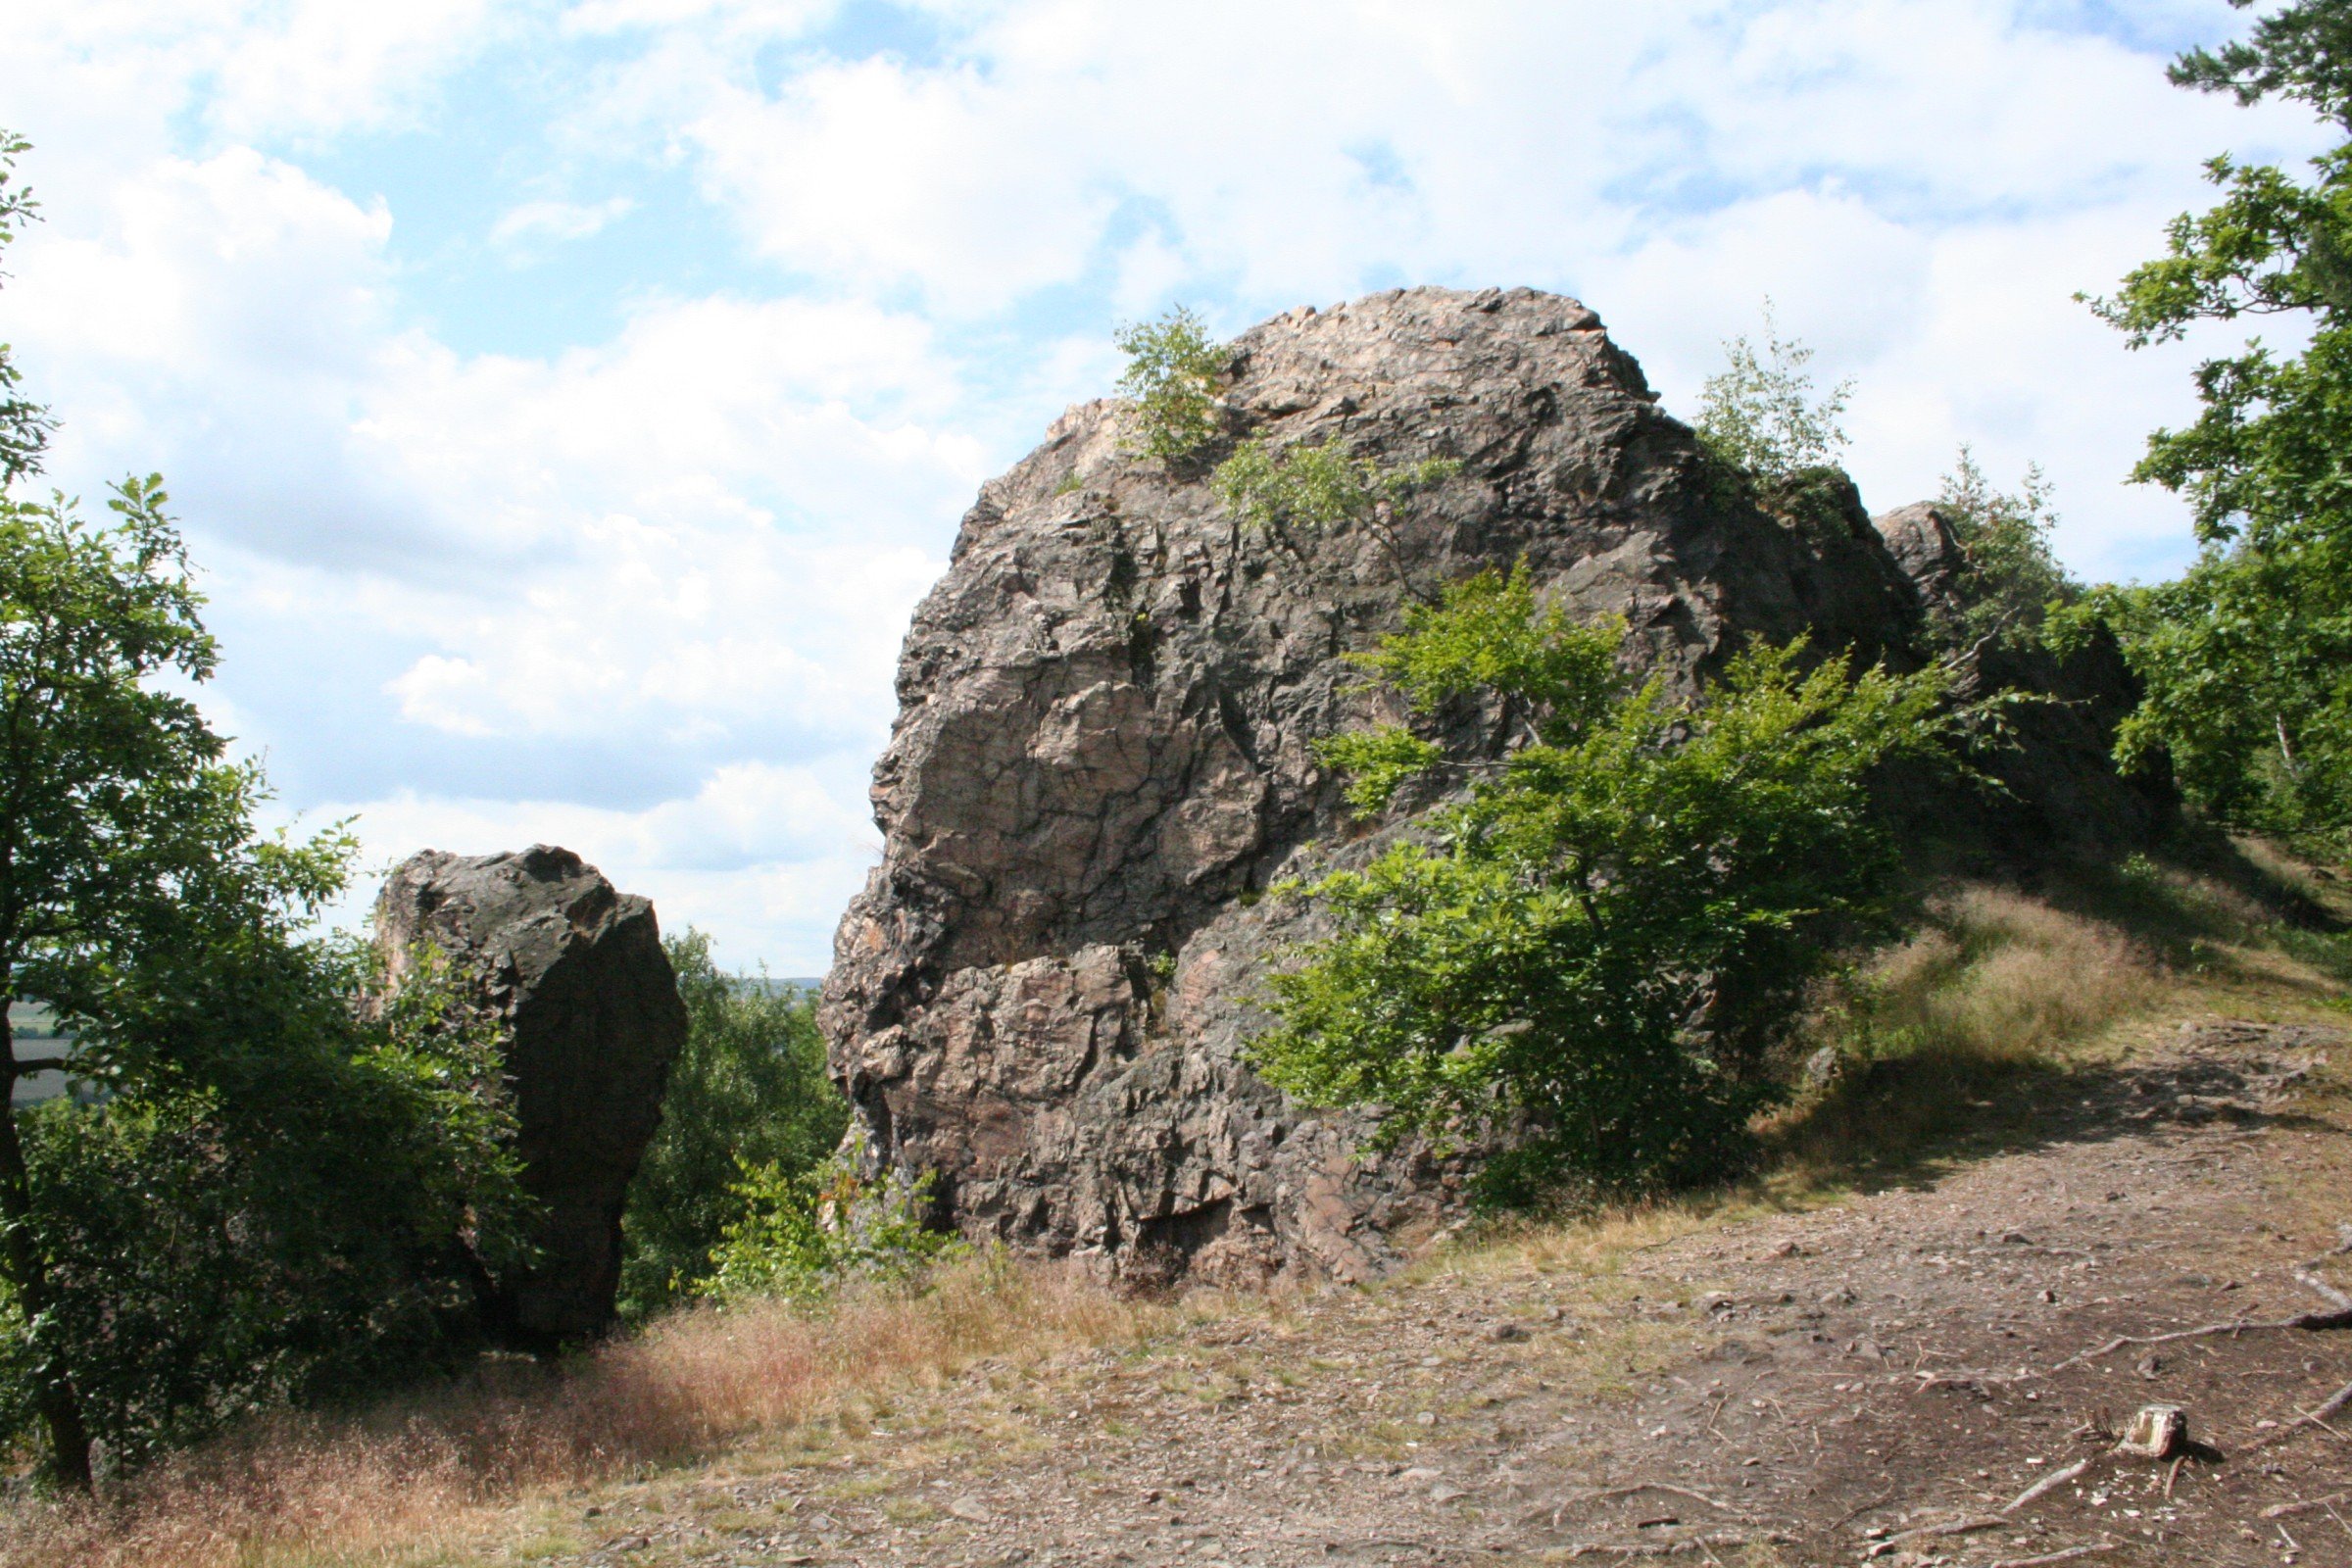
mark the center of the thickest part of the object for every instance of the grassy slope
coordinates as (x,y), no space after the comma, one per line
(1954,1047)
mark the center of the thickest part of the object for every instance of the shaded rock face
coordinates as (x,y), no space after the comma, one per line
(1102,753)
(544,944)
(2062,788)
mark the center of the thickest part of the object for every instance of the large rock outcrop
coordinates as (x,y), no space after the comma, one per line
(574,970)
(1103,754)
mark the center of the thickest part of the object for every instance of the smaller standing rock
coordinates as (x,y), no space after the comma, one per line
(574,971)
(2158,1432)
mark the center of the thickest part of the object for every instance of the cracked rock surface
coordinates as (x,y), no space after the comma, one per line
(1102,756)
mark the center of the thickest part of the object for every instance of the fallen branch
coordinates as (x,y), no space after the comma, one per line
(2333,1405)
(1672,1548)
(2046,1485)
(2320,1287)
(2314,1322)
(1609,1494)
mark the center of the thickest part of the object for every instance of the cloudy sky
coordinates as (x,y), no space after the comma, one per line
(567,400)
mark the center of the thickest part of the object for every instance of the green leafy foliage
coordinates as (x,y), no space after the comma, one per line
(2014,577)
(288,1201)
(24,425)
(2301,51)
(2244,658)
(1589,956)
(803,1237)
(1760,414)
(1170,382)
(277,1196)
(1311,489)
(750,1091)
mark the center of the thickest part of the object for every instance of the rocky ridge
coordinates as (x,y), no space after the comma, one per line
(1103,756)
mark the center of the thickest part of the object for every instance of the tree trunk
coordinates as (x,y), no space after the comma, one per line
(59,1406)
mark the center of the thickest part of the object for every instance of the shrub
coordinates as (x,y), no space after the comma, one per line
(748,1090)
(1588,955)
(302,1224)
(1760,414)
(803,1237)
(2014,579)
(1170,383)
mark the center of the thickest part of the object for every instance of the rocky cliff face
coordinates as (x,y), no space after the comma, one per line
(574,970)
(1101,755)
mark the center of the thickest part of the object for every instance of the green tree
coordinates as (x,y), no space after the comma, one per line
(2012,575)
(1171,383)
(2247,658)
(748,1091)
(1592,952)
(801,1236)
(283,1198)
(1761,413)
(293,1164)
(1310,489)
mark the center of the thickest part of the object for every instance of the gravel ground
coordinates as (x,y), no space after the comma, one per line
(1879,1379)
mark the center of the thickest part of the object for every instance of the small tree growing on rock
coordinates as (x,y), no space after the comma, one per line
(1759,413)
(1170,383)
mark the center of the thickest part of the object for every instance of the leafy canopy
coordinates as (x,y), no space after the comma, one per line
(1170,383)
(1589,954)
(277,1196)
(2245,657)
(748,1090)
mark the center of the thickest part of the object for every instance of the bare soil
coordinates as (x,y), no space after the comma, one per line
(1873,1379)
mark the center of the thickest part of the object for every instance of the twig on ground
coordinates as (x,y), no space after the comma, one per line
(2333,1405)
(1851,1514)
(2314,1322)
(2046,1485)
(2281,1510)
(1611,1494)
(2320,1287)
(1672,1548)
(2172,1474)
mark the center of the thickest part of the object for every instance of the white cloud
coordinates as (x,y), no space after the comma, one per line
(557,220)
(762,858)
(642,592)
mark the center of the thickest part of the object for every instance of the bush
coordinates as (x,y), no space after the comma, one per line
(1760,414)
(748,1090)
(303,1223)
(803,1237)
(1170,382)
(2013,577)
(1587,958)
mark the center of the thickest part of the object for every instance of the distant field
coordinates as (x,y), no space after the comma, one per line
(34,1031)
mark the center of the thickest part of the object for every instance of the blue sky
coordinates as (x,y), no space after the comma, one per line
(570,399)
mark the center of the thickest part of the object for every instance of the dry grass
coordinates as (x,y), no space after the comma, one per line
(1992,999)
(419,1480)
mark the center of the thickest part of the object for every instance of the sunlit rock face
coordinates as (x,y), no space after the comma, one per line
(574,970)
(1103,756)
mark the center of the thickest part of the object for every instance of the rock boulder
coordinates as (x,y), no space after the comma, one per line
(1103,756)
(574,970)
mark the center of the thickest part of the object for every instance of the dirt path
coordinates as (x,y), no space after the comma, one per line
(1835,1386)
